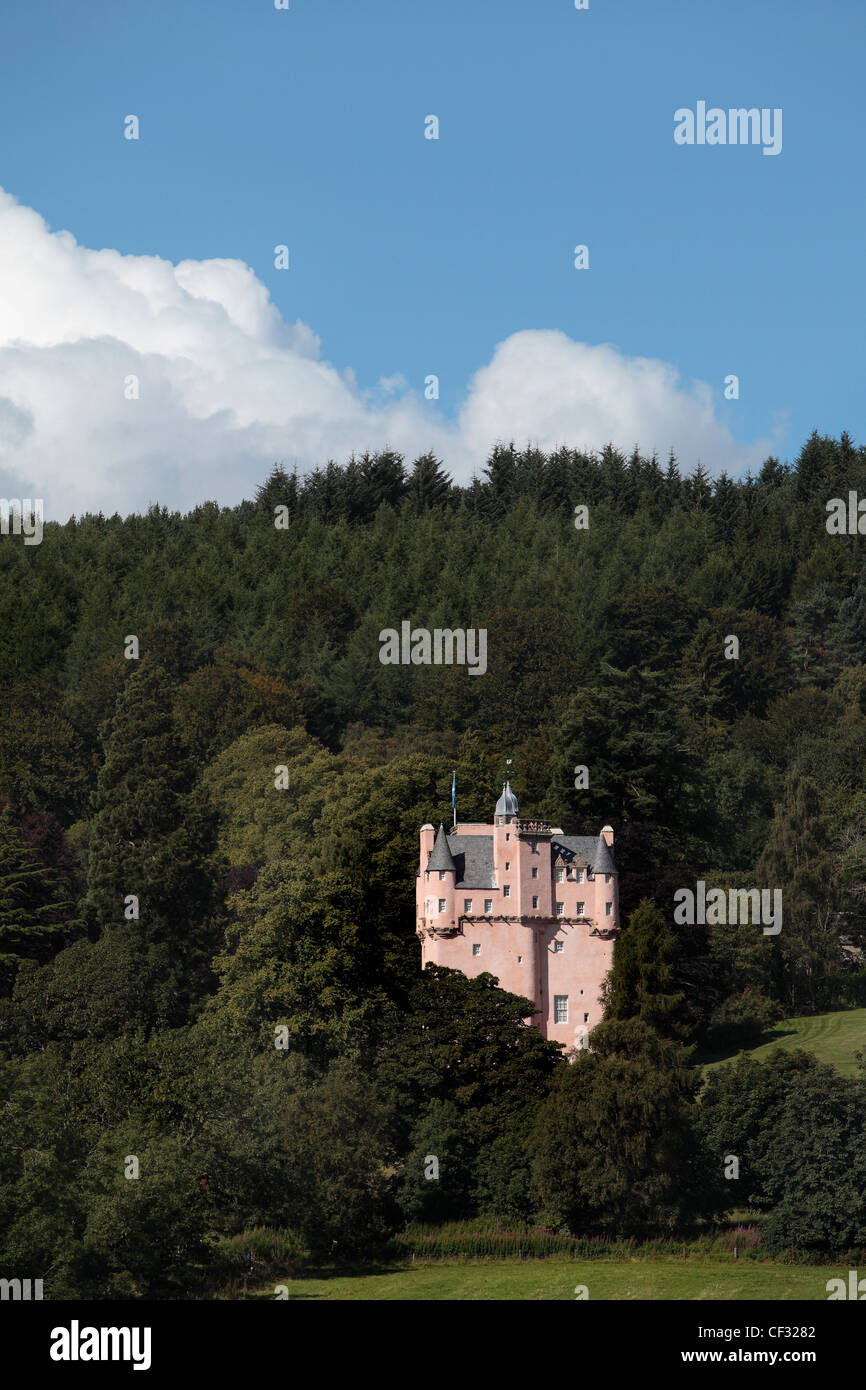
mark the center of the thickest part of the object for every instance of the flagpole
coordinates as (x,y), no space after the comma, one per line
(454,795)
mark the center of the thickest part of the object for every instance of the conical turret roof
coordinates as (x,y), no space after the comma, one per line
(602,859)
(440,855)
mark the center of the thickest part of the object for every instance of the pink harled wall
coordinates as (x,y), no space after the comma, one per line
(517,937)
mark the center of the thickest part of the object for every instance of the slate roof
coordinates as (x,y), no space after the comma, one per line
(440,854)
(592,849)
(473,855)
(507,803)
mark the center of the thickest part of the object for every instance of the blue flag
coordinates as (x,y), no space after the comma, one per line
(454,791)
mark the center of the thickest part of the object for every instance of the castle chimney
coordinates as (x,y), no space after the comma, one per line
(428,837)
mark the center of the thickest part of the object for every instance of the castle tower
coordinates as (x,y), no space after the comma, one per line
(536,908)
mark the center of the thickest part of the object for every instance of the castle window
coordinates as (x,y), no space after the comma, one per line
(579,909)
(534,846)
(441,904)
(535,873)
(607,878)
(467,904)
(560,1008)
(557,946)
(506,891)
(507,864)
(507,836)
(586,1018)
(535,902)
(519,960)
(476,948)
(560,909)
(559,875)
(488,904)
(580,875)
(441,875)
(608,908)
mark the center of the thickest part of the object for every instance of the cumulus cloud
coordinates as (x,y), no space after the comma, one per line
(226,386)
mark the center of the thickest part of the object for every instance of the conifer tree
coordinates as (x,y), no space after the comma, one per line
(279,489)
(35,903)
(641,983)
(814,645)
(429,485)
(796,861)
(152,837)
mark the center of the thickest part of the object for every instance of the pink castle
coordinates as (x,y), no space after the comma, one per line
(536,908)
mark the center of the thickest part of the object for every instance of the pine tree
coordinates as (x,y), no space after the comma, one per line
(429,485)
(796,860)
(35,903)
(152,835)
(279,489)
(815,658)
(382,482)
(641,982)
(501,473)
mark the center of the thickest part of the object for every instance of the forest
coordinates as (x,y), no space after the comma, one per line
(213,1020)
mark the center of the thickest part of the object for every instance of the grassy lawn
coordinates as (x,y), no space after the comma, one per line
(556,1279)
(832,1038)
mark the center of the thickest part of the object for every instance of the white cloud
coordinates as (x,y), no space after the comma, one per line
(227,386)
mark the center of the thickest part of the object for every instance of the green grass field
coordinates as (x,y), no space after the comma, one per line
(835,1038)
(554,1279)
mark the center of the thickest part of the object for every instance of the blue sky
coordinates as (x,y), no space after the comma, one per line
(411,256)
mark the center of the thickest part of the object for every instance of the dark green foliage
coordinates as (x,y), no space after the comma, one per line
(798,1131)
(641,983)
(797,860)
(261,906)
(36,901)
(614,1147)
(335,1158)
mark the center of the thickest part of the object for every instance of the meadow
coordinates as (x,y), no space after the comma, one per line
(831,1037)
(557,1279)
